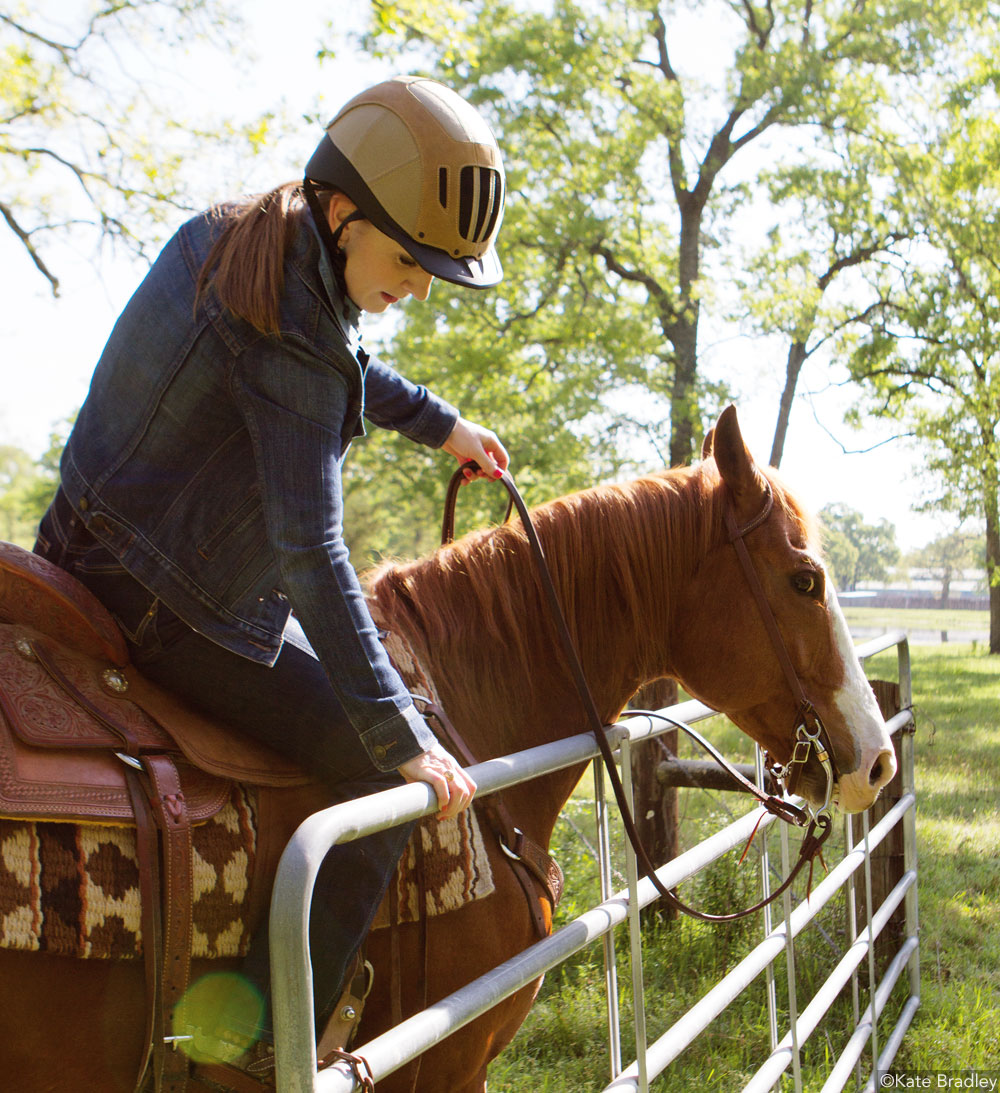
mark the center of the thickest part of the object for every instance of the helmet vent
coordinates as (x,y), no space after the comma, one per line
(480,200)
(443,186)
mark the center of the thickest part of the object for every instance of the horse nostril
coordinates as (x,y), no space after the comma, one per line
(883,769)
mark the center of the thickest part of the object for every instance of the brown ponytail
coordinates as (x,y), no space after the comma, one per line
(246,265)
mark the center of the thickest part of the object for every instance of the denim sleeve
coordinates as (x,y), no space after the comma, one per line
(393,402)
(294,407)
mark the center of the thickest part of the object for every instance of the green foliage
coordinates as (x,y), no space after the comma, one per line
(88,141)
(841,556)
(958,841)
(620,153)
(26,488)
(948,556)
(874,545)
(929,355)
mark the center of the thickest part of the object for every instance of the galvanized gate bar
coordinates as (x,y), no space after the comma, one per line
(291,976)
(821,1001)
(895,1039)
(291,970)
(634,931)
(680,1035)
(612,1012)
(398,1046)
(841,1072)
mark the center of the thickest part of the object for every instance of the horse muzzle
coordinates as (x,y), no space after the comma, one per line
(820,782)
(859,789)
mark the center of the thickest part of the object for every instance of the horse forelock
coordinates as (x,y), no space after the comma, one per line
(801,519)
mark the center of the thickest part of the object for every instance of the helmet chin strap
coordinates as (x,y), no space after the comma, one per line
(331,238)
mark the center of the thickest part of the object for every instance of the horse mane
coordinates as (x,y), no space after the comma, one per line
(617,554)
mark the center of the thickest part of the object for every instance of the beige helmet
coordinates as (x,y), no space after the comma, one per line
(424,168)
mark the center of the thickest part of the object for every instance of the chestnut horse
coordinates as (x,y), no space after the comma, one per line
(650,587)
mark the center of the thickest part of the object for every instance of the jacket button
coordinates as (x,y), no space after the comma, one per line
(379,751)
(83,504)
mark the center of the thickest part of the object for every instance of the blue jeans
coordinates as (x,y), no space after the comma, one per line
(290,707)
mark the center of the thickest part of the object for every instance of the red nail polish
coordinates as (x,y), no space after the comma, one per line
(498,473)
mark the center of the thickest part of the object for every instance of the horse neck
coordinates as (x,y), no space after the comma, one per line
(475,614)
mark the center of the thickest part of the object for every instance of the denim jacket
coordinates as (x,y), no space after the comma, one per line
(207,459)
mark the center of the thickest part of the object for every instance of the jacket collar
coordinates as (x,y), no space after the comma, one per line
(348,314)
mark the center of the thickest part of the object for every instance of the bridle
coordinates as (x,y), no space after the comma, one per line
(810,733)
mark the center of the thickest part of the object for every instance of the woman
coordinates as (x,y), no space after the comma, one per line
(201,493)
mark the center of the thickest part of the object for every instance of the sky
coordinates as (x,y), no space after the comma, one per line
(48,347)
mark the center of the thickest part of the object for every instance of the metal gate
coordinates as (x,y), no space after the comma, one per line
(869,1050)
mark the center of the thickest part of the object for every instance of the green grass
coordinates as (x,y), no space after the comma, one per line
(562,1047)
(954,622)
(957,704)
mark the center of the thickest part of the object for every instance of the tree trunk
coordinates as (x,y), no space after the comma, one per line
(793,366)
(682,330)
(683,396)
(656,811)
(993,573)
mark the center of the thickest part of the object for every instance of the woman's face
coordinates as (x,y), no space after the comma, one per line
(378,271)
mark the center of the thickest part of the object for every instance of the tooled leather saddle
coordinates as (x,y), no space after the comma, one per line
(84,737)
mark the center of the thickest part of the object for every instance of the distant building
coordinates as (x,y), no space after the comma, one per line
(923,588)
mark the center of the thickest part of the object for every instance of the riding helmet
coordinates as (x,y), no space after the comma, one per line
(425,169)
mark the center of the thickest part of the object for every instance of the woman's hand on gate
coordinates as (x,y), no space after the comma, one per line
(454,788)
(470,441)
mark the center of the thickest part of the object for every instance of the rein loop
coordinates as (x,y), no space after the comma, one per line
(809,733)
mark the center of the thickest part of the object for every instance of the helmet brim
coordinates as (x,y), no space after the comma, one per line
(328,166)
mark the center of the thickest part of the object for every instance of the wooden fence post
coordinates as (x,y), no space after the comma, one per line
(656,808)
(887,857)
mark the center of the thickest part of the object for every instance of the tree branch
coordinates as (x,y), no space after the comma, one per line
(25,238)
(855,451)
(63,50)
(760,33)
(668,315)
(857,256)
(674,156)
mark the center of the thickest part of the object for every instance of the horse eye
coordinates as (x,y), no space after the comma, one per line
(806,583)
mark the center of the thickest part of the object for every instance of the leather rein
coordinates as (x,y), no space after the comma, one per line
(810,733)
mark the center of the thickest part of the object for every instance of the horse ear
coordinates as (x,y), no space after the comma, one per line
(736,464)
(706,444)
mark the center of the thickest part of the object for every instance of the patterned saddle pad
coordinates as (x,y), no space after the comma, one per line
(73,889)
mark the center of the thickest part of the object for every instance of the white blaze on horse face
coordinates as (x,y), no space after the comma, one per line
(856,703)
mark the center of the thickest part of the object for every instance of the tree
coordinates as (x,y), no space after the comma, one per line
(841,557)
(26,488)
(930,356)
(834,219)
(632,166)
(624,153)
(88,141)
(875,544)
(948,556)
